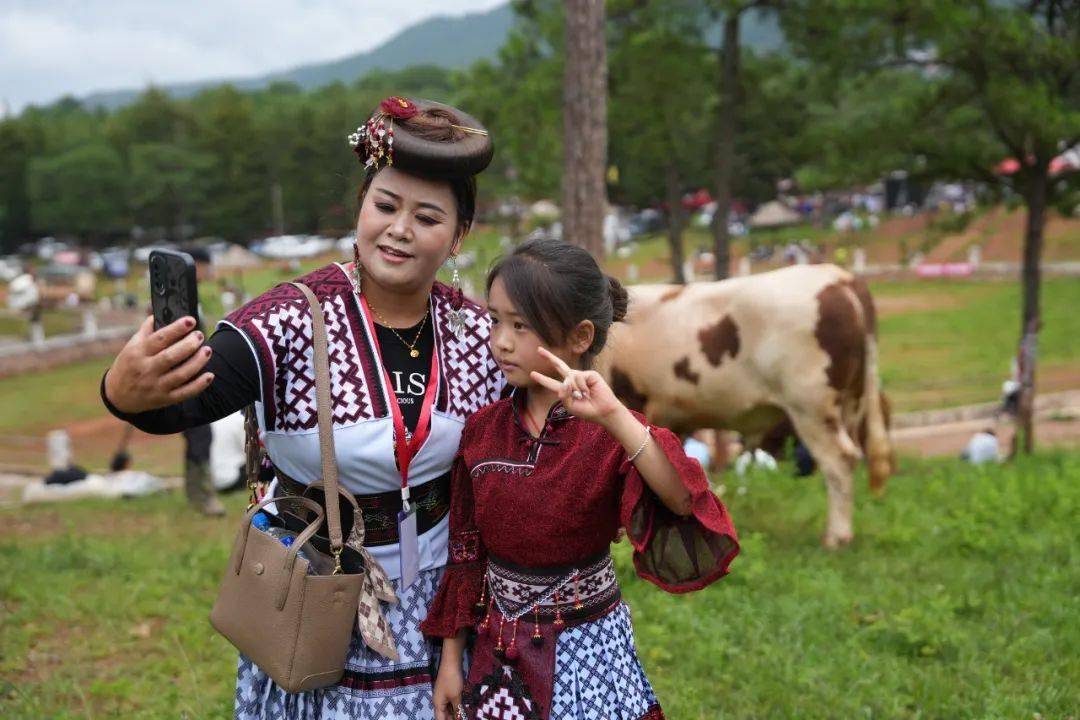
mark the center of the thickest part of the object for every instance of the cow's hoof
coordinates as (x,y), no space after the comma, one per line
(835,541)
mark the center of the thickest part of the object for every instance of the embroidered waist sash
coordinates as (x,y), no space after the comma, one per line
(570,593)
(432,500)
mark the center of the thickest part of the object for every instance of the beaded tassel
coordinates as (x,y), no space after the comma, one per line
(499,650)
(577,597)
(558,613)
(537,638)
(485,625)
(483,599)
(512,651)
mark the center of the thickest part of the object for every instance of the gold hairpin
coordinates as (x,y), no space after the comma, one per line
(474,131)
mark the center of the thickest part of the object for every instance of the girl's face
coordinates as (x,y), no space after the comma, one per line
(407,228)
(515,344)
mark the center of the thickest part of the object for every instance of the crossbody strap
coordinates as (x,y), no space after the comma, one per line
(326,427)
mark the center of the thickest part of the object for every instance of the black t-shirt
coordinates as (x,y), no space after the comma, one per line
(236,381)
(408,375)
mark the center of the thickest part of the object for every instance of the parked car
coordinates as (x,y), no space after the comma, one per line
(649,220)
(142,254)
(289,247)
(115,263)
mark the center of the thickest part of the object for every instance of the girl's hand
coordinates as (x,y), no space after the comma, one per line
(447,692)
(582,392)
(158,367)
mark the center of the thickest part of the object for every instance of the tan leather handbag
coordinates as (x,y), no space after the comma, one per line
(296,627)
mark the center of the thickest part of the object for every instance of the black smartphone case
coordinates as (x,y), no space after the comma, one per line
(173,290)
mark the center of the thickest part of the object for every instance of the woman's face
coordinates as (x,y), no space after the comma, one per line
(408,227)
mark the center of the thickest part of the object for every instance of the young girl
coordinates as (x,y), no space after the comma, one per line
(542,483)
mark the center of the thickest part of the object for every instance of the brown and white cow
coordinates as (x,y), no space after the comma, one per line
(742,353)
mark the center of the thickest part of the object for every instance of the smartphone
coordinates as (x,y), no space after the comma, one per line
(173,290)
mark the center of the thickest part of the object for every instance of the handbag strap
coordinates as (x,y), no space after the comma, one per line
(326,427)
(253,452)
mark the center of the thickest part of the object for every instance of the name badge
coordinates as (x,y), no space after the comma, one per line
(409,547)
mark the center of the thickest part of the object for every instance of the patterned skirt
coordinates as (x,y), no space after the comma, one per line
(373,688)
(598,675)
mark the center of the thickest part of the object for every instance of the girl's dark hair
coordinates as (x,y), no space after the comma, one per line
(555,285)
(437,125)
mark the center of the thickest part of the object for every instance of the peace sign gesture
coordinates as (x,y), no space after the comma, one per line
(582,392)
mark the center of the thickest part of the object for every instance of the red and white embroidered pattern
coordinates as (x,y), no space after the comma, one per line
(464,547)
(517,592)
(472,377)
(500,696)
(279,323)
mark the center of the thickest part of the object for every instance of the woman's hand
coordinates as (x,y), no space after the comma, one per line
(584,393)
(158,368)
(447,693)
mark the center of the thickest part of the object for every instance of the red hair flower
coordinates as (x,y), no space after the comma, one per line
(398,107)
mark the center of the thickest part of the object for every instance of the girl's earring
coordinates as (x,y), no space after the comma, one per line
(356,268)
(456,316)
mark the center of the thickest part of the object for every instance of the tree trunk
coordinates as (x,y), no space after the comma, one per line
(675,223)
(1031,320)
(725,153)
(585,126)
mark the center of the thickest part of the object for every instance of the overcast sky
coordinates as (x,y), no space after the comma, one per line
(49,48)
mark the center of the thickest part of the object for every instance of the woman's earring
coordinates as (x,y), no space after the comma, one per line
(356,268)
(456,279)
(456,316)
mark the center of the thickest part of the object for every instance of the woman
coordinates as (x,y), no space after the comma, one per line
(405,351)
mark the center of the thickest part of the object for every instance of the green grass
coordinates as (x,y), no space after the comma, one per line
(54,322)
(957,350)
(958,599)
(69,393)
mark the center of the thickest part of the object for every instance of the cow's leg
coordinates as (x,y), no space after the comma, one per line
(825,441)
(722,441)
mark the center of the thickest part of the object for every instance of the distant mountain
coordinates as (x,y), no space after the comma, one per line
(440,40)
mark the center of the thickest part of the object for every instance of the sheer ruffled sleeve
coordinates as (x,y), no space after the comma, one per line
(459,591)
(679,554)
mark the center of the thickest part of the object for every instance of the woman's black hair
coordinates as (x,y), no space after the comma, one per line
(555,286)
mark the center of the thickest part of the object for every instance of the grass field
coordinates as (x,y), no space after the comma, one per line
(958,599)
(950,343)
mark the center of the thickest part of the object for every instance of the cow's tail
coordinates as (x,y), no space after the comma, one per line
(875,424)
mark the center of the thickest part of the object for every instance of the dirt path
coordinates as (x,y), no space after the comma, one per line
(950,439)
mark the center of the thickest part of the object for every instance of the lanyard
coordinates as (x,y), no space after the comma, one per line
(404,448)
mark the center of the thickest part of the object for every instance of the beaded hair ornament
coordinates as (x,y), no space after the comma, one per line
(373,142)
